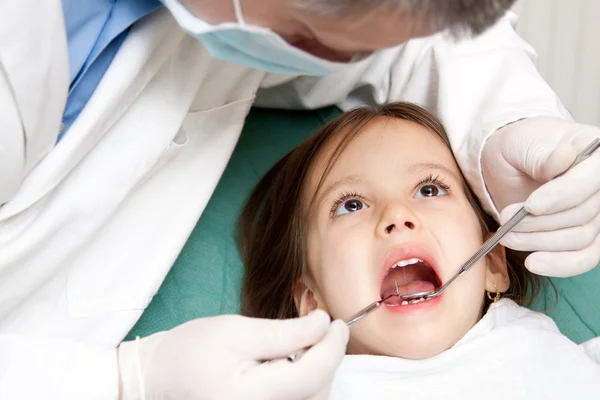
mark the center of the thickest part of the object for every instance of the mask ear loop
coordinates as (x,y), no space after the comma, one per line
(237,9)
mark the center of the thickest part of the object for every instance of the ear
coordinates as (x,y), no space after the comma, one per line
(307,299)
(497,271)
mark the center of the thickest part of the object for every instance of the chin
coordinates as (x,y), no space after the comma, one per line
(419,352)
(416,345)
(420,347)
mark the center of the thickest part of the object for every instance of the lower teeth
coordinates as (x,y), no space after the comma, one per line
(415,301)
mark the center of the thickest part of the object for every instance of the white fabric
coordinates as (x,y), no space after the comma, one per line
(511,353)
(592,349)
(90,228)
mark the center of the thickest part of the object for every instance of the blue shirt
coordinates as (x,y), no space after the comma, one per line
(95,31)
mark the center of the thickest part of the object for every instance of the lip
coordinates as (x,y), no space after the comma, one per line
(406,251)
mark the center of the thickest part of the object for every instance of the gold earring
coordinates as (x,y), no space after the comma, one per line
(496,296)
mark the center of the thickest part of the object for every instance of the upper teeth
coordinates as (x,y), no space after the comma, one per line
(404,263)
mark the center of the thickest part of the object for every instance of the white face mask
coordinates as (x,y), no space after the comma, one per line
(253,46)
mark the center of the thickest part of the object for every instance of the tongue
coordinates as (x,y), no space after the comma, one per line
(413,278)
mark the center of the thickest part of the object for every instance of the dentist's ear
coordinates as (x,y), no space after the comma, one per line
(306,299)
(497,271)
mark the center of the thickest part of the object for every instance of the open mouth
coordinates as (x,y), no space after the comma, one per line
(412,275)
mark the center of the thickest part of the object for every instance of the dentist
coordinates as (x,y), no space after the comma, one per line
(117,118)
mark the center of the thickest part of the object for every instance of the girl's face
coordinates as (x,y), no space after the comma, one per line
(395,198)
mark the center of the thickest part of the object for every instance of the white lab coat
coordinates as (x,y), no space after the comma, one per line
(90,228)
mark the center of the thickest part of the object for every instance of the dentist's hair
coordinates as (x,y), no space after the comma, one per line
(459,16)
(273,225)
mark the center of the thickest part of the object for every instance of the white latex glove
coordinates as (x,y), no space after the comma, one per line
(220,358)
(519,162)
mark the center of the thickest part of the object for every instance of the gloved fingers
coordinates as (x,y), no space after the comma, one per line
(574,187)
(556,155)
(303,378)
(266,339)
(564,264)
(576,216)
(567,239)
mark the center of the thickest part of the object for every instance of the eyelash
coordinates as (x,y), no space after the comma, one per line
(342,198)
(435,180)
(428,180)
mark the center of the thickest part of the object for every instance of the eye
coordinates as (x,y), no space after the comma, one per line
(430,191)
(348,204)
(431,187)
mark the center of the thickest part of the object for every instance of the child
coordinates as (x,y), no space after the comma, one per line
(375,199)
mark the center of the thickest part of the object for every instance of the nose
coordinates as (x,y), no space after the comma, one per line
(395,219)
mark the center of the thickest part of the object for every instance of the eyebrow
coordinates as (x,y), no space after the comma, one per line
(412,168)
(421,167)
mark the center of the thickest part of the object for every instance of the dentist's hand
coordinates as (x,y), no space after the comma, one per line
(519,162)
(220,358)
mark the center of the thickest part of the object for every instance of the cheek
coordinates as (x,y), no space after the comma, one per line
(456,229)
(459,235)
(340,265)
(336,259)
(457,226)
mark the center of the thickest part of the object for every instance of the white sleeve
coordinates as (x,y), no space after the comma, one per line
(592,349)
(474,85)
(40,368)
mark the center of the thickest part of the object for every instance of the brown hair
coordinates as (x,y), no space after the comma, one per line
(273,223)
